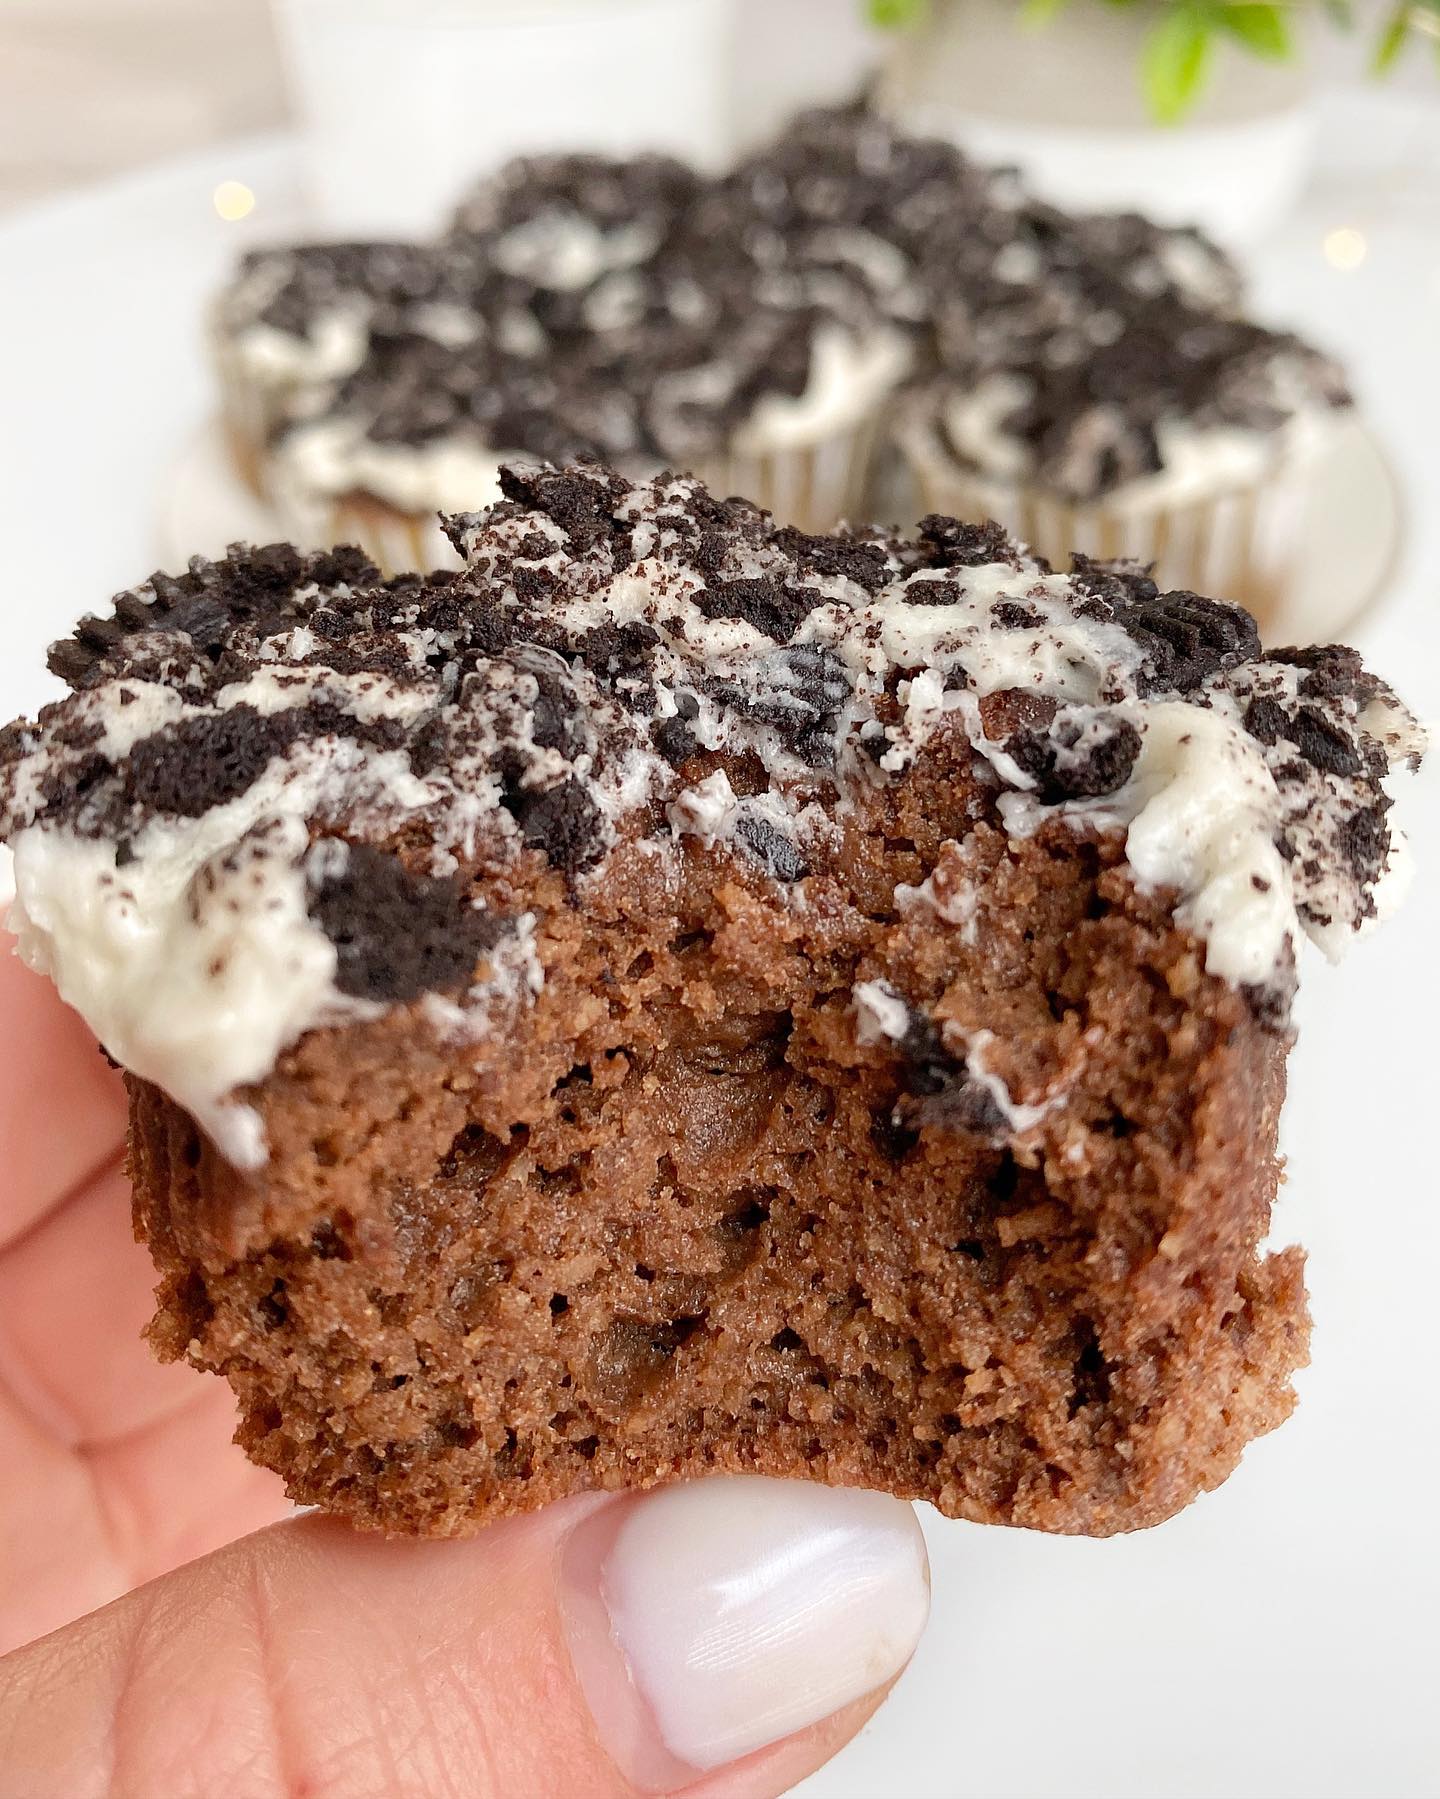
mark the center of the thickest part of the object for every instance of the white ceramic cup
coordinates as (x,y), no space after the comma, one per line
(404,102)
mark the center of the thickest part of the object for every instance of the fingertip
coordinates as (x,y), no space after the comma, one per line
(740,1613)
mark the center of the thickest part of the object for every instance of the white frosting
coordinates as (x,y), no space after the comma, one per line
(849,376)
(334,346)
(163,959)
(706,810)
(881,1014)
(335,456)
(1197,461)
(564,251)
(1204,811)
(975,420)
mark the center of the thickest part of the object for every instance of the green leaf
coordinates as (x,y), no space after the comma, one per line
(1341,13)
(897,15)
(1035,15)
(1263,30)
(1391,41)
(1174,62)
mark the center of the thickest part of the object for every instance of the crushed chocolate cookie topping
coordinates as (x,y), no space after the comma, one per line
(622,663)
(635,310)
(956,545)
(1086,353)
(1077,761)
(398,934)
(1186,638)
(249,593)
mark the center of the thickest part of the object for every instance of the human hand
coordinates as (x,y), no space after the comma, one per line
(725,1637)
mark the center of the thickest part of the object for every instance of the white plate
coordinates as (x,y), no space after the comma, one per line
(1277,1641)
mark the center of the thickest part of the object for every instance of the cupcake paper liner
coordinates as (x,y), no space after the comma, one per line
(1236,543)
(813,487)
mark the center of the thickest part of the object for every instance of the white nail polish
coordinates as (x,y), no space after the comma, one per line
(749,1608)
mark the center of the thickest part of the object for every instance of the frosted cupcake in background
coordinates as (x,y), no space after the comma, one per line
(369,386)
(297,318)
(690,332)
(580,305)
(763,370)
(851,323)
(1096,389)
(560,223)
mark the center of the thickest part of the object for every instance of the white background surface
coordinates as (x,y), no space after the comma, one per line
(1277,1641)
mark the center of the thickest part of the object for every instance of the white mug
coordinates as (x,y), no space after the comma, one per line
(404,102)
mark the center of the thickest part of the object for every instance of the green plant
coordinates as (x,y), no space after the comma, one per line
(1179,46)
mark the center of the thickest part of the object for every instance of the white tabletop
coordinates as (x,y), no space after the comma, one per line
(1277,1640)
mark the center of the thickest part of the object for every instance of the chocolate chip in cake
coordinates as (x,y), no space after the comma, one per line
(771,848)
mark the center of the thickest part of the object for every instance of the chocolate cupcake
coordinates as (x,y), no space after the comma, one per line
(621,309)
(682,995)
(296,320)
(1096,387)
